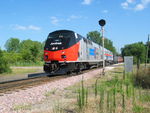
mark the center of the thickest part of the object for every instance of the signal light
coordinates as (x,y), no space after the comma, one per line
(63,52)
(46,56)
(46,53)
(63,56)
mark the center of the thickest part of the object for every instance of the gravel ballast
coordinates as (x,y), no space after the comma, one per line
(37,94)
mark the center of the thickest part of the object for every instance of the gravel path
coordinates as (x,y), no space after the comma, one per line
(37,94)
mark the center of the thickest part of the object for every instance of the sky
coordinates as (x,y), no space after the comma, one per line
(127,21)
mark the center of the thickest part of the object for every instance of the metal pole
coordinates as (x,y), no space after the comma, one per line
(103,52)
(147,51)
(102,22)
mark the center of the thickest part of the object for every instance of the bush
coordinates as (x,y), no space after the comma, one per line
(142,78)
(4,67)
(12,57)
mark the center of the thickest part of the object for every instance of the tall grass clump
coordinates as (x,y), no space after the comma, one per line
(82,98)
(101,100)
(142,78)
(113,94)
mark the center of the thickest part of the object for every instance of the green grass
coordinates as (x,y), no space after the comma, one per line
(28,64)
(142,77)
(109,94)
(113,92)
(49,93)
(140,109)
(17,71)
(145,97)
(82,95)
(21,107)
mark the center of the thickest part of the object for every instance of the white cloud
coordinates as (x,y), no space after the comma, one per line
(73,17)
(87,2)
(19,27)
(54,20)
(145,1)
(130,1)
(139,7)
(125,5)
(136,5)
(105,11)
(30,27)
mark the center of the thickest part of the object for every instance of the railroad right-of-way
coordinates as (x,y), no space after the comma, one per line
(32,95)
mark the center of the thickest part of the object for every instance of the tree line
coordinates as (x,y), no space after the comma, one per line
(139,51)
(20,52)
(96,37)
(28,51)
(23,51)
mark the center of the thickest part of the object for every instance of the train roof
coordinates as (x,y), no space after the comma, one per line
(58,31)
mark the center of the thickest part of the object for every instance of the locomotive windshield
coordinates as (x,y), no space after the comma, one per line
(60,40)
(59,34)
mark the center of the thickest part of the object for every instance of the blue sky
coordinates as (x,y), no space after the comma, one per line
(127,21)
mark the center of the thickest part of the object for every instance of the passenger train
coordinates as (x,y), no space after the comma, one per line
(66,51)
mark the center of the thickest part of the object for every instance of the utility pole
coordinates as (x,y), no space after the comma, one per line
(102,23)
(147,51)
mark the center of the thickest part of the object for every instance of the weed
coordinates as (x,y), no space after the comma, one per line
(108,101)
(96,87)
(110,92)
(58,108)
(142,78)
(138,109)
(123,101)
(101,101)
(145,97)
(82,97)
(21,107)
(49,93)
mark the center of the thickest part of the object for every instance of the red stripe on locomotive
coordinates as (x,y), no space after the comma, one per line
(108,55)
(71,54)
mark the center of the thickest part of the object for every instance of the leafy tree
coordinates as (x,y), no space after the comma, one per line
(12,45)
(96,37)
(4,67)
(36,51)
(23,51)
(31,51)
(137,50)
(12,57)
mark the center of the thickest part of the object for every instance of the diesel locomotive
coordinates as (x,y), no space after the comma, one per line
(66,51)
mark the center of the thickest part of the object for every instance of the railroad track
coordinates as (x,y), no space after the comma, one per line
(15,86)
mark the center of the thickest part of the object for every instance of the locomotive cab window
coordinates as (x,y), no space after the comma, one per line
(59,40)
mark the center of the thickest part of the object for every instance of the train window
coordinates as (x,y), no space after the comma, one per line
(79,37)
(85,40)
(90,42)
(61,34)
(76,35)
